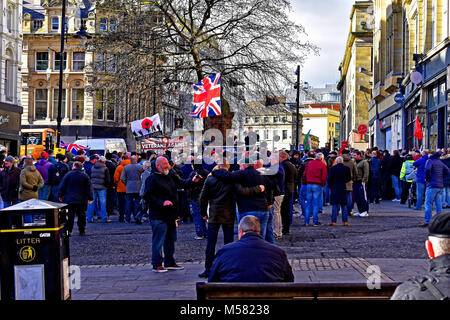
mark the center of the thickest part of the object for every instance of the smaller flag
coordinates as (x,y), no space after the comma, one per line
(207,97)
(307,141)
(418,130)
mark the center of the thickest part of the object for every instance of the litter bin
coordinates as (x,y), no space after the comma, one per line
(34,251)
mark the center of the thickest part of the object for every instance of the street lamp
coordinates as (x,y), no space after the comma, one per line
(297,86)
(82,34)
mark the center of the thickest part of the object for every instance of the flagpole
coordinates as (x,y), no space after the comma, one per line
(298,106)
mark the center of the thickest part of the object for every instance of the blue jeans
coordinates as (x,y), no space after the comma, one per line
(313,198)
(446,197)
(269,229)
(133,200)
(100,196)
(432,195)
(326,192)
(164,235)
(54,193)
(44,192)
(349,201)
(420,191)
(199,222)
(302,199)
(263,217)
(397,187)
(360,198)
(335,212)
(213,231)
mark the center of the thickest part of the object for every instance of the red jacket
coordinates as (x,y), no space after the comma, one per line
(316,173)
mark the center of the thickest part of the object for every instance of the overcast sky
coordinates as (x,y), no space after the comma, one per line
(327,23)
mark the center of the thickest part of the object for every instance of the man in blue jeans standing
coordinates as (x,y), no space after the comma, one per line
(395,167)
(420,180)
(315,176)
(435,173)
(131,178)
(162,198)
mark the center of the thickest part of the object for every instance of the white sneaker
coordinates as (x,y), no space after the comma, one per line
(199,238)
(364,214)
(356,214)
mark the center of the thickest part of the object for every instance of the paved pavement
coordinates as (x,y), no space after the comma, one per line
(389,239)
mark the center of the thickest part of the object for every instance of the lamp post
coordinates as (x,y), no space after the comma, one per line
(297,86)
(82,34)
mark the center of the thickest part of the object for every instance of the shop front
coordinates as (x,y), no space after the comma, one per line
(10,127)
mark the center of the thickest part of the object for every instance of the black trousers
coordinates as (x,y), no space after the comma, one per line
(286,212)
(405,191)
(80,211)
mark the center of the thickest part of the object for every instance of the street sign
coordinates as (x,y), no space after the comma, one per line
(344,144)
(362,129)
(399,98)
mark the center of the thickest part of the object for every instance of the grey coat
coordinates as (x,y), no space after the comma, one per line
(131,177)
(418,288)
(100,177)
(144,177)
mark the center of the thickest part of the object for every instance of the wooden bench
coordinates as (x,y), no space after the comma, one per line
(289,291)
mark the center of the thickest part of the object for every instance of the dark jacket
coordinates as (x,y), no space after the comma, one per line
(195,190)
(100,176)
(416,288)
(160,188)
(375,167)
(251,259)
(88,165)
(220,197)
(301,178)
(249,177)
(290,176)
(446,160)
(9,184)
(435,171)
(42,167)
(420,165)
(111,169)
(57,172)
(76,188)
(395,165)
(338,177)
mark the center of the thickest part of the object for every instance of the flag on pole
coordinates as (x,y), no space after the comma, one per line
(73,147)
(307,141)
(418,130)
(207,97)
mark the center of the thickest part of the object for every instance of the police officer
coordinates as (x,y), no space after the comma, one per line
(434,285)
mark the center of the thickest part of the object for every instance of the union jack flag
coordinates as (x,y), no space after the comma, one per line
(73,147)
(207,97)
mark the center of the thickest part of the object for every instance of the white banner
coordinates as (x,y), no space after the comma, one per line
(146,126)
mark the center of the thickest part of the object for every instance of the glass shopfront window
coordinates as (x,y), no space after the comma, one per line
(433,125)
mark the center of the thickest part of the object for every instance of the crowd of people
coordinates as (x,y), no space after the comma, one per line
(214,192)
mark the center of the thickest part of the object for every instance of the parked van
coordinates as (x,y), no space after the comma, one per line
(102,146)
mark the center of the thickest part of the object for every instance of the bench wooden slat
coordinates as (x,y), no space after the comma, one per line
(214,291)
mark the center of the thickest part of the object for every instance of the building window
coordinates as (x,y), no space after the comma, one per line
(433,117)
(112,65)
(247,120)
(41,61)
(9,76)
(9,17)
(266,119)
(40,104)
(103,24)
(276,119)
(266,134)
(284,134)
(56,103)
(77,104)
(256,119)
(417,27)
(78,61)
(100,104)
(100,62)
(389,43)
(36,25)
(58,60)
(111,106)
(433,23)
(55,24)
(112,25)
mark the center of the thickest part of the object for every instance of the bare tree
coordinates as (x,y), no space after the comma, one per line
(166,45)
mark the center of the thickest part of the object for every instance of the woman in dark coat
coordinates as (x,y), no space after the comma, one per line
(338,176)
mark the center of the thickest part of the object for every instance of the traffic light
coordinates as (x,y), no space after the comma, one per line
(335,144)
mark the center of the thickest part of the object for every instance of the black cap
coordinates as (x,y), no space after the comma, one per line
(439,225)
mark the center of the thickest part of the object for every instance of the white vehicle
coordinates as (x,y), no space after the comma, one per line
(102,146)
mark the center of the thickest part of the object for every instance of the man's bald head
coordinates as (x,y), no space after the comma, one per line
(133,159)
(162,165)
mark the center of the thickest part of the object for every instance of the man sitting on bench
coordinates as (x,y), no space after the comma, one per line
(251,258)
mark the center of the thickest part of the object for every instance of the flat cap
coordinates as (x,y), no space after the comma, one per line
(439,225)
